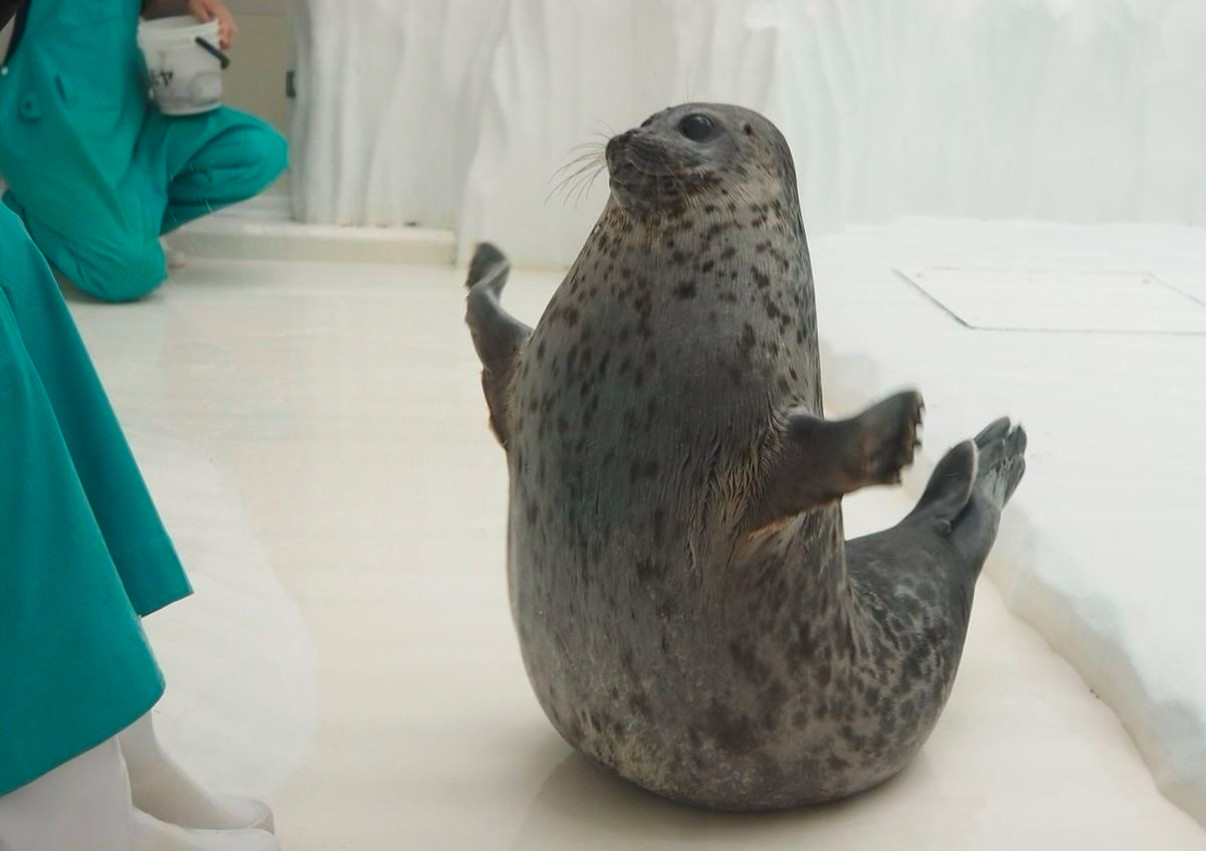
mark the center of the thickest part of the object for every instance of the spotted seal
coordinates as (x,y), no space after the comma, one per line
(688,612)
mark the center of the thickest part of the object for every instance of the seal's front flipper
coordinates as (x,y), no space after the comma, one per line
(498,336)
(822,460)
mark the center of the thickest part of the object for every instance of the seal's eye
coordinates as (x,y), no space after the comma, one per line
(697,127)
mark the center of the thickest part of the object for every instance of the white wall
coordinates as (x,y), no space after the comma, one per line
(255,80)
(457,113)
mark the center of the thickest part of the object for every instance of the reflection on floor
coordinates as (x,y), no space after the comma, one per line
(317,440)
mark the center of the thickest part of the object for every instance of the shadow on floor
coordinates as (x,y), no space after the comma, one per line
(599,810)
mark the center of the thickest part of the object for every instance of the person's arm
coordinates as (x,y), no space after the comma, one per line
(202,10)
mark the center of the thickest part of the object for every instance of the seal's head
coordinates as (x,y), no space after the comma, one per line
(682,156)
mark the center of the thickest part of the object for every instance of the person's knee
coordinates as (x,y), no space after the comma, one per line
(275,153)
(109,263)
(122,273)
(267,155)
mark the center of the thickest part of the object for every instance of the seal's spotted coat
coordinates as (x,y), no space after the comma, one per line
(688,611)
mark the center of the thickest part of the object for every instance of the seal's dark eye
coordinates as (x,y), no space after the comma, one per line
(697,128)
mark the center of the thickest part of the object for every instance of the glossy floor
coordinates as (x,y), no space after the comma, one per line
(317,440)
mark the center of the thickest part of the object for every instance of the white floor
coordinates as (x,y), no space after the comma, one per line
(317,440)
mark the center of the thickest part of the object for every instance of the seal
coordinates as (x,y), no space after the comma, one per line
(688,611)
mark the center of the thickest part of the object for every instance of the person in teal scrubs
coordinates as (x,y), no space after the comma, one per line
(96,172)
(83,555)
(82,550)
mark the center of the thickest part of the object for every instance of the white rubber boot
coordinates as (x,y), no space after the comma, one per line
(164,790)
(150,834)
(83,803)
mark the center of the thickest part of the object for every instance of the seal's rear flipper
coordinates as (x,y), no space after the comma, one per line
(992,461)
(498,337)
(971,485)
(823,460)
(486,259)
(950,485)
(1002,460)
(1002,464)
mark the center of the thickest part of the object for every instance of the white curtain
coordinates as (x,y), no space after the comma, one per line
(458,113)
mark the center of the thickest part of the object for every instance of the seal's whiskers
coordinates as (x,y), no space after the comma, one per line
(581,170)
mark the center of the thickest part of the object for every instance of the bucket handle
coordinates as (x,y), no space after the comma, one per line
(218,54)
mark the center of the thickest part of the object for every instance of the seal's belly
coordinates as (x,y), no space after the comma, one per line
(612,577)
(637,439)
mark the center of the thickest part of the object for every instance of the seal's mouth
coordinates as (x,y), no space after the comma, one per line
(621,167)
(643,171)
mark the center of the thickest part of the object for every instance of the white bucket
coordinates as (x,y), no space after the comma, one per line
(186,79)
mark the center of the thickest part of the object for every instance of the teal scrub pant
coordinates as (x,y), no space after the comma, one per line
(82,548)
(95,170)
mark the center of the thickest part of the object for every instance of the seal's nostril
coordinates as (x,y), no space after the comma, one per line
(615,146)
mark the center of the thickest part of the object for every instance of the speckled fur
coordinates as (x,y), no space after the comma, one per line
(666,634)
